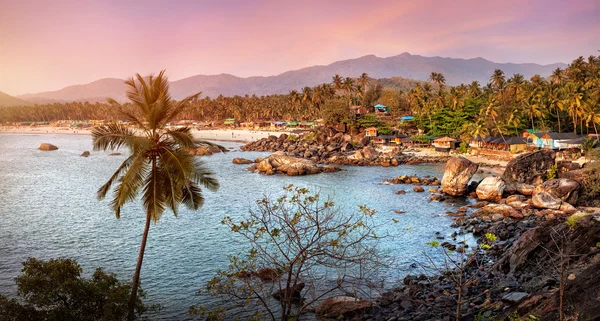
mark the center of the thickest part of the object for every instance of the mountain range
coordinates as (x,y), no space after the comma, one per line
(8,100)
(456,71)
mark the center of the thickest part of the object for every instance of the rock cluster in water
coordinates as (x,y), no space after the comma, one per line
(283,164)
(47,146)
(329,146)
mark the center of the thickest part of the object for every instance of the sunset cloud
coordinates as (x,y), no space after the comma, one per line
(47,45)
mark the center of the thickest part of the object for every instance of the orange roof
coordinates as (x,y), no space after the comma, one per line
(445,139)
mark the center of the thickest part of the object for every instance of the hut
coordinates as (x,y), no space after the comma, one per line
(406,118)
(516,144)
(444,144)
(381,109)
(357,110)
(371,132)
(229,122)
(552,140)
(292,124)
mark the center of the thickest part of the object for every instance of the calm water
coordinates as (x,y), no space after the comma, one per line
(48,209)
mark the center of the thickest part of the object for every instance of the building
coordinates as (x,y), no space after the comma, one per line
(381,109)
(445,144)
(371,132)
(552,140)
(357,110)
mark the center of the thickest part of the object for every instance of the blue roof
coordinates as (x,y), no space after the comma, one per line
(407,118)
(380,106)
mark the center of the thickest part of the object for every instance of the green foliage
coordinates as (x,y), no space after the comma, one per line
(384,130)
(588,145)
(463,148)
(336,111)
(369,120)
(433,243)
(54,290)
(514,316)
(552,172)
(590,192)
(571,221)
(598,245)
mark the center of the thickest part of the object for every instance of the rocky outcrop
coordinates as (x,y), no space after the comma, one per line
(329,146)
(406,179)
(529,168)
(291,166)
(557,194)
(207,150)
(490,188)
(241,161)
(292,293)
(342,307)
(47,146)
(459,171)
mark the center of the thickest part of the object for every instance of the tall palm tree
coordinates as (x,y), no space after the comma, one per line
(363,81)
(160,165)
(337,82)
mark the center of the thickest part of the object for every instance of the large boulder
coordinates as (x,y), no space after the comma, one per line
(555,192)
(459,171)
(342,307)
(369,153)
(490,189)
(46,146)
(529,168)
(241,161)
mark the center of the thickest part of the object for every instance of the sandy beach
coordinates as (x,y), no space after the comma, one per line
(235,135)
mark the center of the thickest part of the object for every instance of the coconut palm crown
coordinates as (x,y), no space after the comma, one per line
(160,166)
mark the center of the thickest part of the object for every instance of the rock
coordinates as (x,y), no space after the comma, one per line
(114,154)
(400,192)
(490,189)
(459,171)
(563,188)
(267,274)
(86,153)
(264,166)
(399,212)
(515,297)
(491,209)
(418,189)
(291,166)
(290,293)
(546,200)
(241,161)
(369,153)
(527,243)
(525,189)
(553,193)
(342,307)
(529,167)
(46,146)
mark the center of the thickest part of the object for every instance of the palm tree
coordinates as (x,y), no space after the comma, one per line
(160,165)
(363,81)
(497,79)
(337,82)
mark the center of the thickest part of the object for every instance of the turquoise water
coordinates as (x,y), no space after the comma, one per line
(48,209)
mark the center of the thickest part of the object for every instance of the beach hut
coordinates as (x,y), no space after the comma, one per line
(381,109)
(279,124)
(357,110)
(229,122)
(382,139)
(552,140)
(292,124)
(371,132)
(444,144)
(399,139)
(516,144)
(406,118)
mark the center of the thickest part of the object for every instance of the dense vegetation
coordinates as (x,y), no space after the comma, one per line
(55,290)
(568,100)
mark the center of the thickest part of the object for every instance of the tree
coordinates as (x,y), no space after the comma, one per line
(160,164)
(54,290)
(336,111)
(301,249)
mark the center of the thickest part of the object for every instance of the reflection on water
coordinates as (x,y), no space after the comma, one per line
(48,208)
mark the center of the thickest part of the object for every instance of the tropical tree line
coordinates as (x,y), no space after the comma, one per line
(567,100)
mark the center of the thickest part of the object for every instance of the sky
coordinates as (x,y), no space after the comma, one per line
(48,45)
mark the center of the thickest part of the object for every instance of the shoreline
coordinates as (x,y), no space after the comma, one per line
(245,136)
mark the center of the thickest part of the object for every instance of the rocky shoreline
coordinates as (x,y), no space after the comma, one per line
(534,245)
(327,146)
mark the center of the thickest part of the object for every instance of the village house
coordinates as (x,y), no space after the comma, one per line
(371,132)
(445,144)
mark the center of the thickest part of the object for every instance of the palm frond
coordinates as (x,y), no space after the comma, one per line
(204,176)
(102,191)
(192,196)
(154,195)
(181,136)
(130,183)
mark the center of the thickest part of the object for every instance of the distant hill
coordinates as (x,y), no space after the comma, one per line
(405,65)
(8,100)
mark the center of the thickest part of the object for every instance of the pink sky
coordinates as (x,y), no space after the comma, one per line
(47,45)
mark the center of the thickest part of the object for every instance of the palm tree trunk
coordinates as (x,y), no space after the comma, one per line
(138,268)
(558,115)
